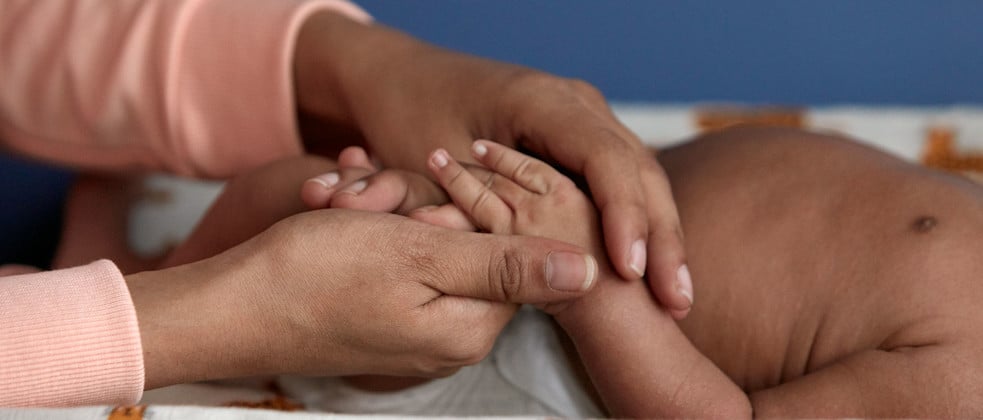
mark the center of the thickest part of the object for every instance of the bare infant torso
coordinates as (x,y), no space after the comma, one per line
(805,249)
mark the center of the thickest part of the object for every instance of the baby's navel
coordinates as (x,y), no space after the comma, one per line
(924,224)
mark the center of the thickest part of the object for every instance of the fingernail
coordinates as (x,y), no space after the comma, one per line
(569,271)
(439,158)
(356,187)
(479,149)
(684,284)
(327,180)
(637,257)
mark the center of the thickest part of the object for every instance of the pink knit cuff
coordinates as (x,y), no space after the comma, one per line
(233,86)
(69,337)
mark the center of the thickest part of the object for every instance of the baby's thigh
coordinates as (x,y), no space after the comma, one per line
(95,221)
(248,205)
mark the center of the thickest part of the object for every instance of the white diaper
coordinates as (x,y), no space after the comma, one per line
(527,373)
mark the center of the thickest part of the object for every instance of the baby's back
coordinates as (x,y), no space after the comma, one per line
(806,248)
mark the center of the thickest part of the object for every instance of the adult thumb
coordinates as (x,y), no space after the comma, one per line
(515,269)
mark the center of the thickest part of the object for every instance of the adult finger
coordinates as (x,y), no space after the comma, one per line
(467,328)
(668,275)
(514,269)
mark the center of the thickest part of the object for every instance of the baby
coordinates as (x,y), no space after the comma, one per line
(833,280)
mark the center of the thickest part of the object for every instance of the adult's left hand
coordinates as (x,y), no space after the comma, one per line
(406,98)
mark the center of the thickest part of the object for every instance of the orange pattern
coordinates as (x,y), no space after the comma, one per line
(713,118)
(941,152)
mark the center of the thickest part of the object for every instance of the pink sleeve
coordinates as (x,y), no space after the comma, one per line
(195,87)
(69,337)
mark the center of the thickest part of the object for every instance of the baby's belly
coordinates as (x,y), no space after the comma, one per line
(804,249)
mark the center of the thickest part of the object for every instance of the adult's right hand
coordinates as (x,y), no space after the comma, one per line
(343,292)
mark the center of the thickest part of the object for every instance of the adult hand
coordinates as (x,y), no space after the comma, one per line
(407,98)
(342,292)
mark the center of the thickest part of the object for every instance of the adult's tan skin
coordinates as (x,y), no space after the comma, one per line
(403,98)
(339,292)
(333,292)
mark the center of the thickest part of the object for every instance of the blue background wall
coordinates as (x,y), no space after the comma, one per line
(784,51)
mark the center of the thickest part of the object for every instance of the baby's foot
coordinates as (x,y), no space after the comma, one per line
(353,165)
(95,224)
(359,184)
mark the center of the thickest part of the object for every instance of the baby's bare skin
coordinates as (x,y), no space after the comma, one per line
(832,279)
(807,249)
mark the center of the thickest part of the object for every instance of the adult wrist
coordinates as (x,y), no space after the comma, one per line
(194,322)
(333,56)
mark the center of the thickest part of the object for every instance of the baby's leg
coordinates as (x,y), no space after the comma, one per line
(251,203)
(98,207)
(390,190)
(95,224)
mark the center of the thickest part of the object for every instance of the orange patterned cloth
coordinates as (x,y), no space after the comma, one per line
(941,148)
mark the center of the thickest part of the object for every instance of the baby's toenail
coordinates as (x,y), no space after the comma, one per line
(480,149)
(327,180)
(356,188)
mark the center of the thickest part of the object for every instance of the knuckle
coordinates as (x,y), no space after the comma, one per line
(486,216)
(480,201)
(461,348)
(539,80)
(470,352)
(625,211)
(502,224)
(565,186)
(416,255)
(614,145)
(668,236)
(507,273)
(490,180)
(571,87)
(523,172)
(456,177)
(534,175)
(612,153)
(651,168)
(586,90)
(550,88)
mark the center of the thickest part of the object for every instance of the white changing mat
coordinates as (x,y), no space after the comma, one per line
(527,373)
